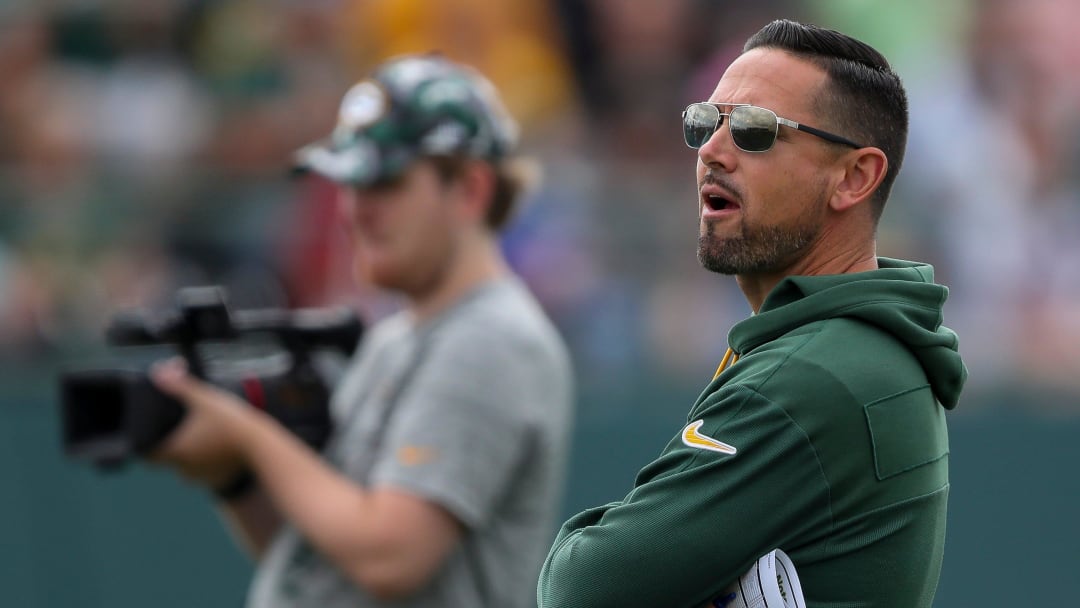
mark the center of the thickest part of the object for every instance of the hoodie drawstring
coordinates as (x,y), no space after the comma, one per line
(730,357)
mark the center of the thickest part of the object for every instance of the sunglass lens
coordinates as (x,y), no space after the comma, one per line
(752,128)
(700,121)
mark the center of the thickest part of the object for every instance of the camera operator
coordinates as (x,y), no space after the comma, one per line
(440,484)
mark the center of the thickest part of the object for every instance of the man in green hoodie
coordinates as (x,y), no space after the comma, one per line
(823,432)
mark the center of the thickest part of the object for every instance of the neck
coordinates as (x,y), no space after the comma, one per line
(475,262)
(756,287)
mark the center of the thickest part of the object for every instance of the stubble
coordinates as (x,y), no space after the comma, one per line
(758,249)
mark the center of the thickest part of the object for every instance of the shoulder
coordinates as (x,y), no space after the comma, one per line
(499,340)
(823,375)
(388,330)
(503,319)
(841,357)
(833,378)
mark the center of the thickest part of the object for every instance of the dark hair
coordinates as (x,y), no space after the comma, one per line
(513,177)
(863,98)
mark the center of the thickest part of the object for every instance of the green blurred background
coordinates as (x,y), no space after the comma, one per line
(143,146)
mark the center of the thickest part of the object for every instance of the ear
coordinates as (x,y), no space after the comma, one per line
(477,185)
(864,169)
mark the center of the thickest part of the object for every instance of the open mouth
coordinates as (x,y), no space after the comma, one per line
(717,202)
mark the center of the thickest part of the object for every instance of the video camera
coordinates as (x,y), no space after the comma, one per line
(112,415)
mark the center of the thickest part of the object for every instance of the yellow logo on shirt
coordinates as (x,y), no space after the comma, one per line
(694,439)
(413,455)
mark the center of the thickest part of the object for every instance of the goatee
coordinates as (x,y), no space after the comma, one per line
(755,250)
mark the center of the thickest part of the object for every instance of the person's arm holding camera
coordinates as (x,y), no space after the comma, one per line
(385,540)
(202,453)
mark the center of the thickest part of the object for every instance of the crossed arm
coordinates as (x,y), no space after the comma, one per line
(695,520)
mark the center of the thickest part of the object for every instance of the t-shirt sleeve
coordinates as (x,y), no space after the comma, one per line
(462,426)
(697,517)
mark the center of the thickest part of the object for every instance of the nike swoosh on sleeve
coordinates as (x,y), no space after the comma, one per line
(694,439)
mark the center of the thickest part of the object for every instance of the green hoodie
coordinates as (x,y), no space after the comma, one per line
(826,439)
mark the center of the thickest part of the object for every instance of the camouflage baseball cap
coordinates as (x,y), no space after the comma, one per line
(413,106)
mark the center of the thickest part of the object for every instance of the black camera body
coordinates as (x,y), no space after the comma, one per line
(112,415)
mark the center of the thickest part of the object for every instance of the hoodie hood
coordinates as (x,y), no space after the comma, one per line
(900,297)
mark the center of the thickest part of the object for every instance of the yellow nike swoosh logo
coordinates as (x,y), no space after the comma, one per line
(412,455)
(694,439)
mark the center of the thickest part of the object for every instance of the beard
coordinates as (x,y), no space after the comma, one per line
(758,249)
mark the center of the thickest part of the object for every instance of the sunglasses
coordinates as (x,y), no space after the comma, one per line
(753,129)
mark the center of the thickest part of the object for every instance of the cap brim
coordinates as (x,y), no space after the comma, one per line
(359,164)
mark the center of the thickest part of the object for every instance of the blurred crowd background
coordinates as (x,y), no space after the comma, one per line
(145,145)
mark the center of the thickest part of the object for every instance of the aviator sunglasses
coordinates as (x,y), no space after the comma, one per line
(753,129)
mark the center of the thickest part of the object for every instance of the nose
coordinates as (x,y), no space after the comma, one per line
(719,152)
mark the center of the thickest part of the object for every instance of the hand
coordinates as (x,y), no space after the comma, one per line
(205,447)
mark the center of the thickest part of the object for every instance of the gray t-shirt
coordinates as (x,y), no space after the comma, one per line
(470,410)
